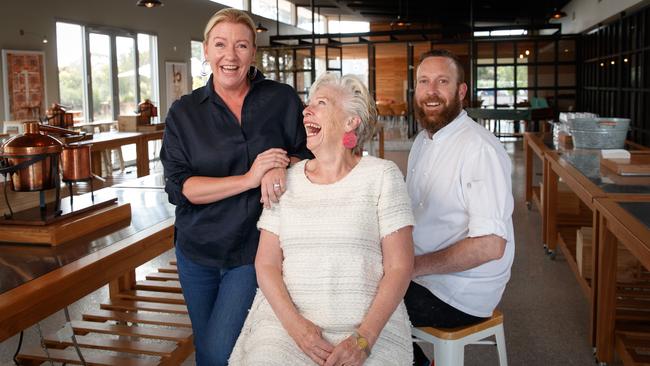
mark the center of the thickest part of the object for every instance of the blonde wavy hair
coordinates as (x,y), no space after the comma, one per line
(233,16)
(355,101)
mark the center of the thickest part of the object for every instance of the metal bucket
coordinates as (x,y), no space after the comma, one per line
(599,133)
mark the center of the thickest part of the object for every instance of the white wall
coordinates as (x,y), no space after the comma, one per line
(585,14)
(175,24)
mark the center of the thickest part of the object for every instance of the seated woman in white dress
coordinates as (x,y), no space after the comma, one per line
(335,254)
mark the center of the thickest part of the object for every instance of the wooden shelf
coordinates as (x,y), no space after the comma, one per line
(633,348)
(566,240)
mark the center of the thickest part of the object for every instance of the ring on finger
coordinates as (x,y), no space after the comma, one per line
(276,185)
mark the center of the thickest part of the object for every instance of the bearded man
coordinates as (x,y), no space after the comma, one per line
(460,188)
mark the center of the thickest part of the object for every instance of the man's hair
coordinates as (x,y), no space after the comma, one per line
(460,72)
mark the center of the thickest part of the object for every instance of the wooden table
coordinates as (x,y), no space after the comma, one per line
(37,281)
(89,127)
(509,114)
(537,144)
(580,171)
(626,221)
(110,140)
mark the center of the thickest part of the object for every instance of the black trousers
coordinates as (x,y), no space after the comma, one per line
(426,310)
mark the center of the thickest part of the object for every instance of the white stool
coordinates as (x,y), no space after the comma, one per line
(449,344)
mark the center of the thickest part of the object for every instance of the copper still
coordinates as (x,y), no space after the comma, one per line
(32,159)
(58,116)
(146,110)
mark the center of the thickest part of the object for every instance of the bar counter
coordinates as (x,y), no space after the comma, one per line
(36,281)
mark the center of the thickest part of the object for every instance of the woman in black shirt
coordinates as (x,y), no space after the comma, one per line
(237,133)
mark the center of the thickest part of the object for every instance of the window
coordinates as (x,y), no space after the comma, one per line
(304,20)
(122,70)
(267,9)
(334,26)
(148,70)
(70,60)
(237,4)
(200,72)
(518,73)
(286,11)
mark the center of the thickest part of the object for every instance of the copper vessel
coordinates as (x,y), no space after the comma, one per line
(43,151)
(75,162)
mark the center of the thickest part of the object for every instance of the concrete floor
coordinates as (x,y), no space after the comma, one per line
(545,311)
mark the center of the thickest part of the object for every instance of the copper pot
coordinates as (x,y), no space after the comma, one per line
(41,174)
(75,160)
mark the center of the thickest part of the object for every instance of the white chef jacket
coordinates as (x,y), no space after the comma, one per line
(459,184)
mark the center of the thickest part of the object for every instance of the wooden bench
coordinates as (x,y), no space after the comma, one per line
(141,327)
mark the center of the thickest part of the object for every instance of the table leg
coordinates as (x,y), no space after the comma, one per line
(543,193)
(123,283)
(595,245)
(528,157)
(550,206)
(606,293)
(142,157)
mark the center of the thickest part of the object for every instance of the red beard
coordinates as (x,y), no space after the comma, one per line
(434,121)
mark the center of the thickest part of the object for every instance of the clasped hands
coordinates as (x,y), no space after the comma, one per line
(309,339)
(269,173)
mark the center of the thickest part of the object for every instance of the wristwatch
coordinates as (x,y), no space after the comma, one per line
(362,343)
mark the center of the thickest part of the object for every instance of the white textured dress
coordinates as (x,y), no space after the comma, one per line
(331,241)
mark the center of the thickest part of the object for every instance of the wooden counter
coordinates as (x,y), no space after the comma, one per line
(580,171)
(38,281)
(626,221)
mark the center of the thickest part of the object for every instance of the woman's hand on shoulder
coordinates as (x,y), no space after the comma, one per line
(273,186)
(347,353)
(309,339)
(269,159)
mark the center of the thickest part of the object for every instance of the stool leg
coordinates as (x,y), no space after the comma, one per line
(449,353)
(501,345)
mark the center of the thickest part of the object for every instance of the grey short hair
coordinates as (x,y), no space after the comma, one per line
(355,101)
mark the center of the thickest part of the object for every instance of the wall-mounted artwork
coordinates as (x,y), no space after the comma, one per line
(24,84)
(176,81)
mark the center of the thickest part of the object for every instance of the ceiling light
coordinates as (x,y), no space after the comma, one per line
(602,64)
(400,22)
(613,62)
(260,28)
(44,39)
(557,14)
(527,52)
(521,55)
(149,3)
(625,60)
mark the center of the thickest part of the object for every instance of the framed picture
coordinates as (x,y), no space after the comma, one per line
(24,84)
(176,80)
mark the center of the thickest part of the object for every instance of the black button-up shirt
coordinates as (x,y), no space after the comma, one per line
(203,138)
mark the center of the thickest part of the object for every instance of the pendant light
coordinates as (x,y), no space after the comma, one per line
(260,28)
(149,3)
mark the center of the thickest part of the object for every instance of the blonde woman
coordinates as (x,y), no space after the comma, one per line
(335,255)
(226,148)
